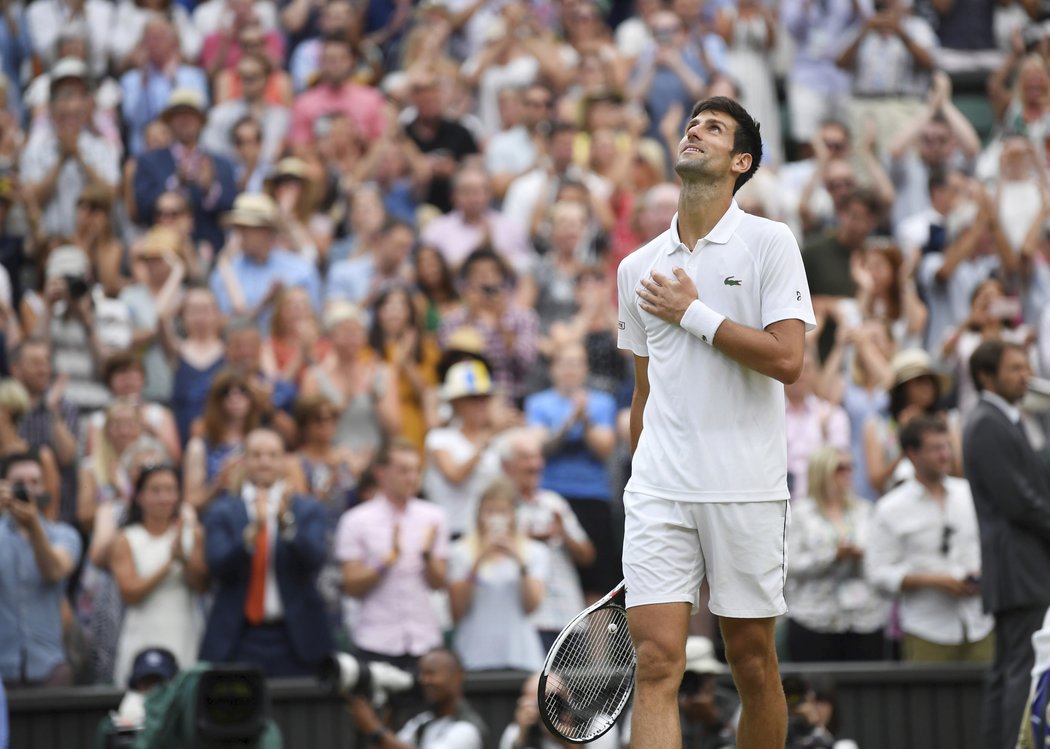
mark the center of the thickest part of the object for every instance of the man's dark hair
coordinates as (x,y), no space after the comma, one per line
(482,254)
(561,126)
(867,198)
(912,434)
(391,446)
(449,653)
(746,139)
(245,120)
(938,180)
(16,354)
(120,361)
(393,222)
(29,456)
(987,358)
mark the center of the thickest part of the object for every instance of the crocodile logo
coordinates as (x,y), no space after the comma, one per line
(730,281)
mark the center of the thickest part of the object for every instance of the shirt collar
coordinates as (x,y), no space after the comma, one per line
(720,234)
(1013,413)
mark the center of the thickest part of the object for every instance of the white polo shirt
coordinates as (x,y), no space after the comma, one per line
(714,429)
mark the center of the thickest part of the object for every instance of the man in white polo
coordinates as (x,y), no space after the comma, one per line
(715,312)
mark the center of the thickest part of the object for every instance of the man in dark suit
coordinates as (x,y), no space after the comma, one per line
(204,178)
(1011,491)
(265,548)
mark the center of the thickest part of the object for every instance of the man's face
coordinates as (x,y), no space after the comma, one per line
(256,242)
(427,97)
(706,149)
(936,144)
(536,107)
(400,479)
(29,474)
(185,125)
(471,195)
(243,349)
(69,107)
(835,140)
(525,466)
(569,369)
(394,250)
(856,223)
(839,181)
(439,678)
(247,139)
(336,17)
(1011,381)
(34,369)
(160,43)
(336,64)
(253,79)
(933,460)
(263,458)
(561,146)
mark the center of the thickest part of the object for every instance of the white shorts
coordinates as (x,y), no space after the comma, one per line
(741,547)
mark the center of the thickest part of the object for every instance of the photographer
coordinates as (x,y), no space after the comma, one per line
(447,723)
(81,327)
(36,557)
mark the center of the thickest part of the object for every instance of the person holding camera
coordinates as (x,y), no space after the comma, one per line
(448,722)
(36,557)
(924,547)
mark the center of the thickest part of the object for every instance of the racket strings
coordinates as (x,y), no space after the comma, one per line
(591,675)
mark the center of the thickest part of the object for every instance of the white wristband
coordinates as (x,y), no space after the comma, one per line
(701,321)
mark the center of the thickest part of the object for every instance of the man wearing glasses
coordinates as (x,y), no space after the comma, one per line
(925,548)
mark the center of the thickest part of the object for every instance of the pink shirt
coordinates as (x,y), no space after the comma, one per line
(396,617)
(456,239)
(272,41)
(812,425)
(362,105)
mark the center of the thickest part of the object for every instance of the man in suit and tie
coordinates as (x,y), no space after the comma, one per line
(265,547)
(205,179)
(1011,491)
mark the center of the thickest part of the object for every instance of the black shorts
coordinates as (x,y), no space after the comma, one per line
(605,529)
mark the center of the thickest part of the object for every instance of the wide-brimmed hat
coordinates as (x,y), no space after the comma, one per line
(254,209)
(290,166)
(912,364)
(184,98)
(68,68)
(158,242)
(467,379)
(700,656)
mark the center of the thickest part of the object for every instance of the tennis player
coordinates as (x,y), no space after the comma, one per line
(715,311)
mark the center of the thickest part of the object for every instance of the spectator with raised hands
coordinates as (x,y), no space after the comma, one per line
(938,139)
(394,552)
(294,343)
(59,162)
(37,556)
(496,581)
(214,457)
(158,564)
(836,615)
(886,292)
(14,404)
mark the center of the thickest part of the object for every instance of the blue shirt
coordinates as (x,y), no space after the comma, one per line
(573,472)
(146,96)
(30,619)
(257,278)
(349,280)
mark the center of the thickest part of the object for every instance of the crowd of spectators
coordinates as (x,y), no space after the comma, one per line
(272,271)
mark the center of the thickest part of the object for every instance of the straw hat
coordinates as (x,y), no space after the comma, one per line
(289,167)
(912,364)
(184,98)
(254,209)
(467,379)
(158,242)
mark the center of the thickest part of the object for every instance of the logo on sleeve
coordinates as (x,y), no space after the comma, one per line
(730,281)
(798,296)
(622,324)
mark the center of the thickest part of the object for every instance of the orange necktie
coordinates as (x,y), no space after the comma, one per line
(254,604)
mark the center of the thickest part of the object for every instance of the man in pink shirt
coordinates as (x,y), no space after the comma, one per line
(335,92)
(394,550)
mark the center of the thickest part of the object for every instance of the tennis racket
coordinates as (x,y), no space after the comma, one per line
(588,676)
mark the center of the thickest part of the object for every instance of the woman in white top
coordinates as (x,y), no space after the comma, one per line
(496,576)
(835,615)
(158,564)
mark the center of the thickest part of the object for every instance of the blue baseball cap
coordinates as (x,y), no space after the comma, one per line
(153,662)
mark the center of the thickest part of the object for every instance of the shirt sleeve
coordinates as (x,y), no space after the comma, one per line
(884,564)
(538,561)
(458,563)
(631,335)
(573,528)
(441,545)
(348,542)
(601,409)
(66,538)
(785,290)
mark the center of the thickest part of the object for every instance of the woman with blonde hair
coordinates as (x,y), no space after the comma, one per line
(103,480)
(14,403)
(496,576)
(295,341)
(835,615)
